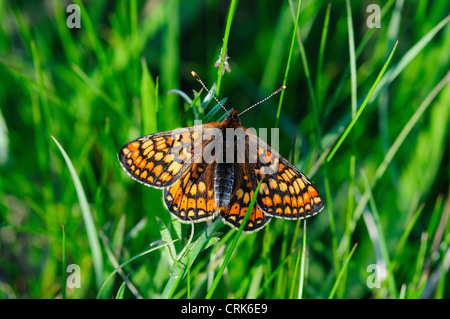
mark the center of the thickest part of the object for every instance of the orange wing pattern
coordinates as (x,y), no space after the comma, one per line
(243,191)
(179,162)
(159,159)
(285,191)
(191,197)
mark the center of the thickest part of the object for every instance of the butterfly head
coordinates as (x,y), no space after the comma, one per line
(233,117)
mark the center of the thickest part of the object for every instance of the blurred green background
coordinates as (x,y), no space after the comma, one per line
(97,87)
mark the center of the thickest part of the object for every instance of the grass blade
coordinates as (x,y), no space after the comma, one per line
(112,258)
(303,263)
(392,74)
(121,291)
(230,16)
(351,49)
(352,164)
(341,273)
(378,237)
(64,262)
(88,219)
(187,260)
(149,101)
(255,283)
(100,292)
(362,107)
(393,150)
(288,64)
(233,244)
(323,41)
(167,238)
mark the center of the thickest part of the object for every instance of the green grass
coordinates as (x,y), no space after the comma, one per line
(365,115)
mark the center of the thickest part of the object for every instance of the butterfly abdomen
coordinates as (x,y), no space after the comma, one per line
(223,184)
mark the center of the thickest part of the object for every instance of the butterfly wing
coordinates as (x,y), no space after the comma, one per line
(159,159)
(191,197)
(244,186)
(285,191)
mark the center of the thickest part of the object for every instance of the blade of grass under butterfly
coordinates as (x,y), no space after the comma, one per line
(341,273)
(362,107)
(303,263)
(300,266)
(230,16)
(166,237)
(177,281)
(100,292)
(279,289)
(88,219)
(296,271)
(187,260)
(255,283)
(233,244)
(188,293)
(112,258)
(180,264)
(272,276)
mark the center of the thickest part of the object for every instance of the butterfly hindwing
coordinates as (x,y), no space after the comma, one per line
(244,186)
(191,197)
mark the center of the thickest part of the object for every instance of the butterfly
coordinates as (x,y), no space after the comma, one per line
(198,183)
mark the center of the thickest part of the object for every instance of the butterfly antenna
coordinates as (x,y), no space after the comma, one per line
(263,100)
(204,86)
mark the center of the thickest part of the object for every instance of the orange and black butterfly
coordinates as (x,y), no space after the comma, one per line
(183,162)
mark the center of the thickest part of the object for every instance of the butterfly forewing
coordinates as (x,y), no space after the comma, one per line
(159,159)
(285,191)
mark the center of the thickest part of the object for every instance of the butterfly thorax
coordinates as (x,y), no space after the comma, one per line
(232,119)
